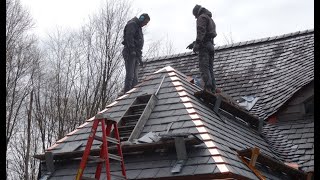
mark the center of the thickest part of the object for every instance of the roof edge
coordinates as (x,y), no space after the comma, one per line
(233,45)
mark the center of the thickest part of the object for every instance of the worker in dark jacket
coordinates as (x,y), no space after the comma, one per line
(204,46)
(132,51)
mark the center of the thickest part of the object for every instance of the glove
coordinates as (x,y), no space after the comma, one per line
(140,61)
(190,46)
(133,53)
(196,48)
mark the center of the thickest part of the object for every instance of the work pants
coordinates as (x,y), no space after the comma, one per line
(131,65)
(206,68)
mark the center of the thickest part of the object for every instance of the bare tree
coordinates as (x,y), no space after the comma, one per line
(228,39)
(102,43)
(26,161)
(22,55)
(24,135)
(84,72)
(161,47)
(18,63)
(81,73)
(18,22)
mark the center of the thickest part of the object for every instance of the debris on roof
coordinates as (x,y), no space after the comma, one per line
(248,102)
(149,138)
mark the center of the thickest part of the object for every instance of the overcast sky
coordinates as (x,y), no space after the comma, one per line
(243,20)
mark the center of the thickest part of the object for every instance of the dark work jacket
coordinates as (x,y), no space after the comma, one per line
(206,28)
(133,37)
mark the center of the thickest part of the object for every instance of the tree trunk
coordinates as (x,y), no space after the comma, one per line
(26,175)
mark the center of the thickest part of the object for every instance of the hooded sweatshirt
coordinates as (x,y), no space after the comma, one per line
(133,36)
(206,28)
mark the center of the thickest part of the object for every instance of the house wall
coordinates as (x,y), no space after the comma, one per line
(297,107)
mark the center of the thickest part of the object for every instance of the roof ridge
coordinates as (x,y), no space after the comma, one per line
(168,56)
(237,44)
(270,38)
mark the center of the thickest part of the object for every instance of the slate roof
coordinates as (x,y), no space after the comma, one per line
(272,68)
(293,142)
(176,104)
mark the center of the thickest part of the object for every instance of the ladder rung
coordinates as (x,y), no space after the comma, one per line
(138,106)
(98,138)
(130,120)
(123,134)
(126,127)
(125,130)
(131,117)
(131,123)
(138,111)
(87,178)
(115,157)
(124,138)
(118,176)
(94,159)
(109,139)
(113,140)
(126,133)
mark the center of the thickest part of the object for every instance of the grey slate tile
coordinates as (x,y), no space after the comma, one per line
(308,135)
(132,174)
(197,160)
(148,173)
(306,146)
(164,172)
(243,172)
(205,169)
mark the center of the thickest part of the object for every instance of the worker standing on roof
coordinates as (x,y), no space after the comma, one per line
(204,46)
(132,51)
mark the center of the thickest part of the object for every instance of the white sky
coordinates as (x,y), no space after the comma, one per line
(244,19)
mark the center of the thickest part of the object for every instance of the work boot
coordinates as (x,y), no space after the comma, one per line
(208,89)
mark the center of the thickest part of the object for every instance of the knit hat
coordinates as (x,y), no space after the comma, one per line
(195,10)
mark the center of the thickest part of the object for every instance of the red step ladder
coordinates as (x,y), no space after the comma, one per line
(106,123)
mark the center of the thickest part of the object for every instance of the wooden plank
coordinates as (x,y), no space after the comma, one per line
(230,107)
(126,148)
(274,164)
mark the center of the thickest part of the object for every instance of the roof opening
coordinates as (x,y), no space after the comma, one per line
(135,117)
(227,104)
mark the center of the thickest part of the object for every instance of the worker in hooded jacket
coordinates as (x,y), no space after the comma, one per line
(132,52)
(204,46)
